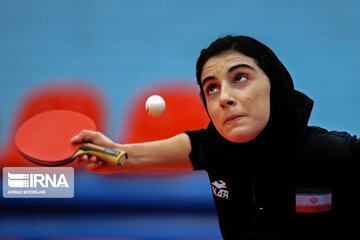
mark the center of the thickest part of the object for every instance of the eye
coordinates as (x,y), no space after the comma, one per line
(241,78)
(211,89)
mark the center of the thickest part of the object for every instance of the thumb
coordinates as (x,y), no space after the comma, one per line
(77,139)
(87,135)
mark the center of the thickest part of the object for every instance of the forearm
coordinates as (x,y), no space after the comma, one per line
(172,153)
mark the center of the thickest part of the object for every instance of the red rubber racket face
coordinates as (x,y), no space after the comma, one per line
(45,138)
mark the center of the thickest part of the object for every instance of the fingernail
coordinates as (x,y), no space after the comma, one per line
(74,138)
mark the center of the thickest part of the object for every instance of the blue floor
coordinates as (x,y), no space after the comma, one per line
(175,205)
(139,226)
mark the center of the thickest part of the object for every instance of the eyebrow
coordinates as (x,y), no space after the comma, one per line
(242,65)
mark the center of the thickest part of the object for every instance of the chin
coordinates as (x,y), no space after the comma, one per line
(242,139)
(239,138)
(239,135)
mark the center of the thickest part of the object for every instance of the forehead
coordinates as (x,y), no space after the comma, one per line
(223,62)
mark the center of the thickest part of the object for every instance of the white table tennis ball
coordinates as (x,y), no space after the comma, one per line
(155,105)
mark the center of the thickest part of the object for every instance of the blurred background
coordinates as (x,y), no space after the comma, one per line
(104,58)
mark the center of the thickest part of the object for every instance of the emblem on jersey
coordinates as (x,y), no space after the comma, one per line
(219,189)
(311,200)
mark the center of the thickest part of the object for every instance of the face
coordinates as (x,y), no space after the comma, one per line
(237,94)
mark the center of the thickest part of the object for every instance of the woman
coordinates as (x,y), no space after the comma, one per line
(272,176)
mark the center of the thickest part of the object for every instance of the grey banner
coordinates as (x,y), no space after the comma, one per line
(38,182)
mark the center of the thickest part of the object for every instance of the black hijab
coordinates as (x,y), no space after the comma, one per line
(289,109)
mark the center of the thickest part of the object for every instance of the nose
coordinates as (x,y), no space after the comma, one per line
(226,99)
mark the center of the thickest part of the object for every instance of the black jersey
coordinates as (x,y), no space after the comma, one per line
(310,195)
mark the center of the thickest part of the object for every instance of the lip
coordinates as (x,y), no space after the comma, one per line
(233,118)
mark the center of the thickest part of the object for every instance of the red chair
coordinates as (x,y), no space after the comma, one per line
(75,96)
(184,111)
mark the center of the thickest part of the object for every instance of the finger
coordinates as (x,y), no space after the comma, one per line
(84,157)
(84,135)
(88,135)
(91,166)
(82,160)
(79,161)
(93,159)
(77,139)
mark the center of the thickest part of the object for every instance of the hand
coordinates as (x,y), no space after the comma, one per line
(93,163)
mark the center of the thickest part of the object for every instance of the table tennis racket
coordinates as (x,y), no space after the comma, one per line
(45,139)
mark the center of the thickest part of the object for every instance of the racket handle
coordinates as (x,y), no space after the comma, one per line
(107,154)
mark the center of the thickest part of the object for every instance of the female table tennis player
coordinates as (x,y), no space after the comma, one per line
(272,175)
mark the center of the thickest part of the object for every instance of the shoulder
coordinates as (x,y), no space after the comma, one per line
(325,137)
(319,142)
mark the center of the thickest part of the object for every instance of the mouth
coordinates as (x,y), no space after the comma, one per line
(233,118)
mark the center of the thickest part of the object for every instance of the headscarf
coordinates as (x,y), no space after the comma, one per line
(289,108)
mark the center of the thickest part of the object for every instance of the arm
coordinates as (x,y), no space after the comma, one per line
(171,153)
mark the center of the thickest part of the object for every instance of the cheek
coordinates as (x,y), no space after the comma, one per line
(259,104)
(212,110)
